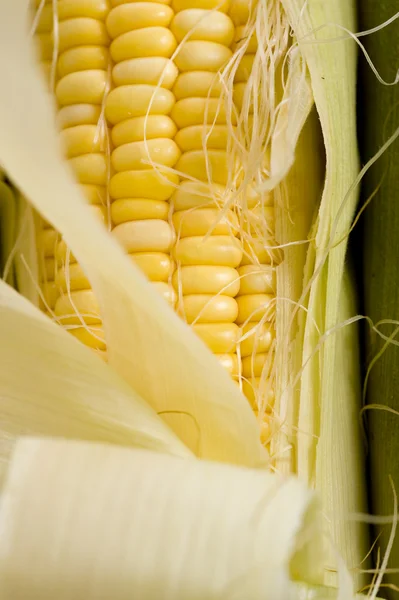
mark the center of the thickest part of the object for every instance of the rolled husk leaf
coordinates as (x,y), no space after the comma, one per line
(325,401)
(165,527)
(379,114)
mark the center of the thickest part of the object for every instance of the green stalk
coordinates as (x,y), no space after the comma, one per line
(379,120)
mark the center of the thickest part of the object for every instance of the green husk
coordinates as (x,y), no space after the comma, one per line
(380,118)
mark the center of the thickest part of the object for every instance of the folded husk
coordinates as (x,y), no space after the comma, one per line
(327,403)
(380,257)
(92,521)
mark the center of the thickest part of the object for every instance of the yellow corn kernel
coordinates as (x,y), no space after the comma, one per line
(257,279)
(149,41)
(157,266)
(81,31)
(265,430)
(138,209)
(221,5)
(191,194)
(206,279)
(202,221)
(244,69)
(259,391)
(229,362)
(217,250)
(144,236)
(72,278)
(151,70)
(140,155)
(200,24)
(82,139)
(259,251)
(252,199)
(200,84)
(77,307)
(78,114)
(47,269)
(47,242)
(82,87)
(151,183)
(94,9)
(119,2)
(83,58)
(45,46)
(260,221)
(221,338)
(92,336)
(63,254)
(241,38)
(209,165)
(94,194)
(166,291)
(256,338)
(241,10)
(197,137)
(200,55)
(46,20)
(50,294)
(199,111)
(90,168)
(252,366)
(254,307)
(129,101)
(241,97)
(135,130)
(137,15)
(206,308)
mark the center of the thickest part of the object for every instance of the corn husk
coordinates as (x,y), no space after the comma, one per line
(215,531)
(327,450)
(380,255)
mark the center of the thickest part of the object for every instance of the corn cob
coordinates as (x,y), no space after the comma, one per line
(142,134)
(207,250)
(167,115)
(82,76)
(47,236)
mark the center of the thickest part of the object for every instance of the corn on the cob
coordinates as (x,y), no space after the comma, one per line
(142,134)
(167,115)
(82,78)
(207,250)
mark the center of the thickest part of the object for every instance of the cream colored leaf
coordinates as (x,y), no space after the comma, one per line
(54,386)
(83,521)
(147,344)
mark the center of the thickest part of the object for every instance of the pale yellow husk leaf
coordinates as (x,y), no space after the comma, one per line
(95,522)
(53,385)
(148,345)
(327,451)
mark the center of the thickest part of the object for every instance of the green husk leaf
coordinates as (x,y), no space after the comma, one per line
(379,112)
